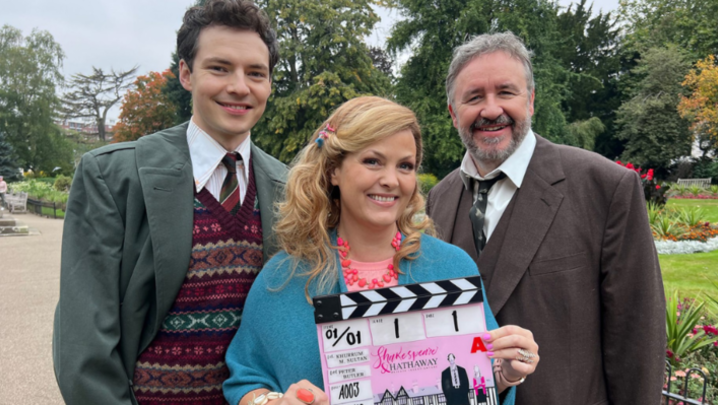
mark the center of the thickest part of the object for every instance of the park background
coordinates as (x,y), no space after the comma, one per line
(635,81)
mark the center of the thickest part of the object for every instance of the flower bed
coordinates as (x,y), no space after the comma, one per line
(695,197)
(670,247)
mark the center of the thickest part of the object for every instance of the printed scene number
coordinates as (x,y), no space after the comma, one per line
(450,322)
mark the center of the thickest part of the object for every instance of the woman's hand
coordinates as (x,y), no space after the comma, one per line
(300,393)
(303,393)
(517,349)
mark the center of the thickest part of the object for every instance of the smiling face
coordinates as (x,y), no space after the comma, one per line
(376,183)
(229,81)
(492,108)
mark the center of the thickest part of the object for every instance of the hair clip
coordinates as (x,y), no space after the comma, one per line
(324,134)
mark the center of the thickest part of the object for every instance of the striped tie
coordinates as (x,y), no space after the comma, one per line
(229,196)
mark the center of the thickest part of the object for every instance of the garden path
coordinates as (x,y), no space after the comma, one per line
(29,289)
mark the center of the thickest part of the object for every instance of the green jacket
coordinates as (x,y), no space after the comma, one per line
(126,249)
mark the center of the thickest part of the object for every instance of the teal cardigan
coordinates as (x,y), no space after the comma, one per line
(277,343)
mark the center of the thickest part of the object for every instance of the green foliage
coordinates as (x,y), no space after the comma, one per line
(679,329)
(8,164)
(39,190)
(704,168)
(584,133)
(649,122)
(178,96)
(688,24)
(29,74)
(427,181)
(324,62)
(62,183)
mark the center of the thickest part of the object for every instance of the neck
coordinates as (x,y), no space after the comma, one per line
(230,142)
(484,167)
(368,245)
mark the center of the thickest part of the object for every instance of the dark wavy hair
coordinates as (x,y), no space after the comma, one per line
(240,14)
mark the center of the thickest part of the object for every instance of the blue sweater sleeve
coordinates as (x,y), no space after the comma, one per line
(247,355)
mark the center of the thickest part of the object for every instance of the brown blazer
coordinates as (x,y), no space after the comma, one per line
(572,259)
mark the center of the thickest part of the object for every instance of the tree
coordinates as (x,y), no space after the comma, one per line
(180,98)
(8,165)
(95,94)
(688,24)
(701,107)
(145,109)
(590,48)
(29,74)
(655,133)
(324,63)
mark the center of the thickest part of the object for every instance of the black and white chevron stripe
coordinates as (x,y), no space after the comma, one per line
(394,300)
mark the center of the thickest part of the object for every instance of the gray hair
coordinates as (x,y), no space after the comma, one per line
(486,44)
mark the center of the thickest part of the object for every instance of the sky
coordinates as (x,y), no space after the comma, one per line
(112,34)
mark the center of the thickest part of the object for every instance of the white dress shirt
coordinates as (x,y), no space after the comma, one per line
(207,167)
(501,193)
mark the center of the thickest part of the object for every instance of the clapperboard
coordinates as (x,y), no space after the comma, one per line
(416,344)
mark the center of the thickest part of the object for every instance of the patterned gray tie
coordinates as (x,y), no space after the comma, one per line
(478,211)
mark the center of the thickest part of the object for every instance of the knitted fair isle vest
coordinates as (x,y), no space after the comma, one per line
(184,364)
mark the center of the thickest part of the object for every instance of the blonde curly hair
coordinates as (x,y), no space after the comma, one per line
(310,211)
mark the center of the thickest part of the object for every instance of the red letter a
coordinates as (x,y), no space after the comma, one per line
(478,345)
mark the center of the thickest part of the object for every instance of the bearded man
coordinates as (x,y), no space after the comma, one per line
(560,236)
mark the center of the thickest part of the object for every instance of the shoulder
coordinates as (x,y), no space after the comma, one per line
(281,272)
(442,260)
(447,183)
(582,164)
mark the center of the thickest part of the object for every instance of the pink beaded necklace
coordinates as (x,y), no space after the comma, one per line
(351,276)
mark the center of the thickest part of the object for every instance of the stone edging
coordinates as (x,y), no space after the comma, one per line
(670,247)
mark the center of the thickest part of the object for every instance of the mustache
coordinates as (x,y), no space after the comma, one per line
(503,119)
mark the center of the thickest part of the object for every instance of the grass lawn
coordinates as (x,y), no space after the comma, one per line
(709,207)
(692,274)
(49,212)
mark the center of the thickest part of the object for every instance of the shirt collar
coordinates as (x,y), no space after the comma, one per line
(514,166)
(206,154)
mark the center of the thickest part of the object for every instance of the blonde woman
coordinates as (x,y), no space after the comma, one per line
(348,224)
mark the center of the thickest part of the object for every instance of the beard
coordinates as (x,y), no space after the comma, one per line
(490,155)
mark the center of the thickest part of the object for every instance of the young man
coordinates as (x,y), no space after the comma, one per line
(164,236)
(561,239)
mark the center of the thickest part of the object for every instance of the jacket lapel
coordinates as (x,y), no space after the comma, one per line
(165,173)
(269,178)
(537,202)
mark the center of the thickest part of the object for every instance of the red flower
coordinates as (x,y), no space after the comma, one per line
(643,176)
(629,165)
(669,353)
(658,187)
(619,162)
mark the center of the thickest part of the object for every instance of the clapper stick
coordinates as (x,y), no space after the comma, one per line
(394,300)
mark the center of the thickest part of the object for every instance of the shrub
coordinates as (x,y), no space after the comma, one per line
(654,191)
(62,183)
(427,181)
(684,336)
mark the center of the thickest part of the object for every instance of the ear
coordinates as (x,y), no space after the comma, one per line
(185,75)
(531,102)
(334,176)
(453,117)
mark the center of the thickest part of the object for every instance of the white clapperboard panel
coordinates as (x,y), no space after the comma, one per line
(416,344)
